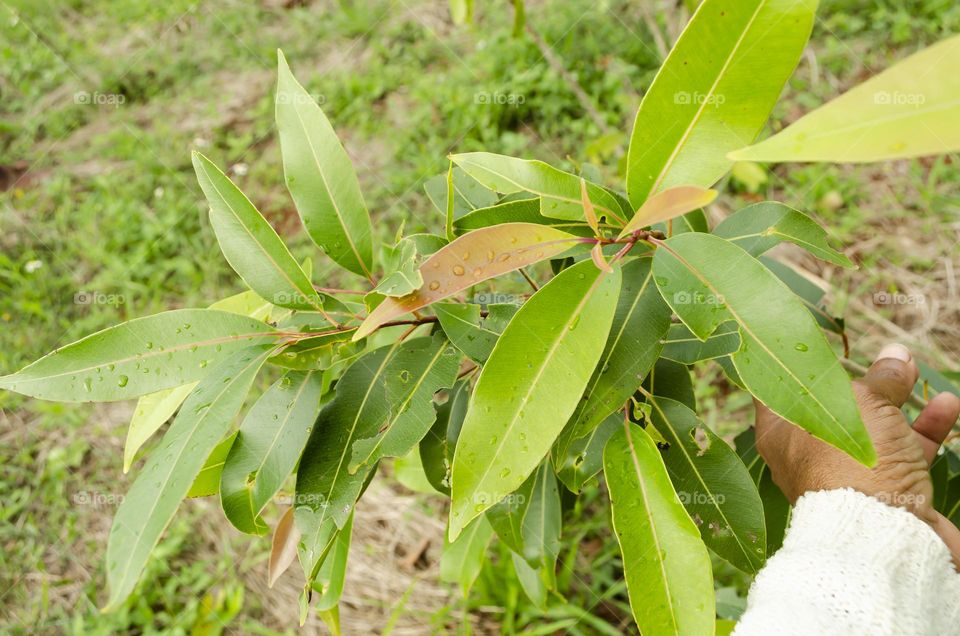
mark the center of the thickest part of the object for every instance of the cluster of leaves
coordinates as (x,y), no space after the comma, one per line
(508,407)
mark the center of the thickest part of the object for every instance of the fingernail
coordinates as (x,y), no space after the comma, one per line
(896,351)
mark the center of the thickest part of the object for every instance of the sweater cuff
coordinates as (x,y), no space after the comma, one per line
(862,527)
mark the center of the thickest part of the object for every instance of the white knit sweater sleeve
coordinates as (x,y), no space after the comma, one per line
(853,565)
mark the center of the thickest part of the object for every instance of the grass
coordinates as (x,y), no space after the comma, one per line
(102,221)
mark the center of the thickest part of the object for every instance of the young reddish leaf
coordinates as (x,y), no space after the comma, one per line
(471,259)
(598,259)
(669,204)
(283,551)
(588,212)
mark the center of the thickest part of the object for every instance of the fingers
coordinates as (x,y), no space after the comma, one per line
(893,375)
(950,535)
(935,421)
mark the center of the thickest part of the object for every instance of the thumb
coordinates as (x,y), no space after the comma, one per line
(893,374)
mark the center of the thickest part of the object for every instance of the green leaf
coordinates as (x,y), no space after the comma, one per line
(207,482)
(584,456)
(377,391)
(333,572)
(810,294)
(714,91)
(671,380)
(140,356)
(316,353)
(776,508)
(402,275)
(432,366)
(632,347)
(468,193)
(530,386)
(506,518)
(665,563)
(559,191)
(517,211)
(153,499)
(462,559)
(667,205)
(784,359)
(437,446)
(320,177)
(471,259)
(470,332)
(713,485)
(695,221)
(759,227)
(152,412)
(682,346)
(908,110)
(268,446)
(532,581)
(250,244)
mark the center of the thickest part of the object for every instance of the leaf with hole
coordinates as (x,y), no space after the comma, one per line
(713,484)
(472,332)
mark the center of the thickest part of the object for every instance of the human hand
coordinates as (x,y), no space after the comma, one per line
(801,463)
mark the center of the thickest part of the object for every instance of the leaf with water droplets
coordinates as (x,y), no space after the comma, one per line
(380,388)
(140,356)
(908,110)
(665,563)
(166,478)
(530,386)
(630,351)
(784,360)
(759,227)
(713,484)
(268,446)
(471,259)
(668,205)
(559,191)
